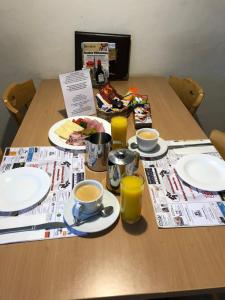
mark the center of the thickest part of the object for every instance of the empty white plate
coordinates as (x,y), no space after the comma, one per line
(21,188)
(202,171)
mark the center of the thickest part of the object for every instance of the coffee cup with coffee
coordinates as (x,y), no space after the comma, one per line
(147,139)
(87,196)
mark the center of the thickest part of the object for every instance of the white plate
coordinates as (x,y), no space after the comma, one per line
(97,224)
(55,139)
(203,171)
(21,188)
(159,150)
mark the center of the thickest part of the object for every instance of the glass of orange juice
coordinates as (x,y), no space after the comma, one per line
(119,132)
(131,190)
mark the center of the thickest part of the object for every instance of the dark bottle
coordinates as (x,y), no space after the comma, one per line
(99,75)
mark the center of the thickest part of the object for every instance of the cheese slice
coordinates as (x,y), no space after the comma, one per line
(67,128)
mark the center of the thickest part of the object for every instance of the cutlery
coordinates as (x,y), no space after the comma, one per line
(104,212)
(189,145)
(51,225)
(133,145)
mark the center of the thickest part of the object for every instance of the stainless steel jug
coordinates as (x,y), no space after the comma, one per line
(98,146)
(121,162)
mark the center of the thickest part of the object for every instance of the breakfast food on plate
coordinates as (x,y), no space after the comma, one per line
(75,131)
(67,128)
(76,139)
(90,126)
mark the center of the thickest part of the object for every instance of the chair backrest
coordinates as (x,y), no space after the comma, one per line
(189,91)
(17,98)
(217,137)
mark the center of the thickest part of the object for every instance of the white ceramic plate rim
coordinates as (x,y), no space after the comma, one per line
(163,148)
(43,182)
(98,224)
(55,139)
(212,184)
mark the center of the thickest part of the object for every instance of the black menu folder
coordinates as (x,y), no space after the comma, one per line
(118,68)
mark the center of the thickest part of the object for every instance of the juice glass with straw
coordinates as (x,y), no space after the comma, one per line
(131,190)
(119,132)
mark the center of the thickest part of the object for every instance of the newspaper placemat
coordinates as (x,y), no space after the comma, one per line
(65,168)
(177,204)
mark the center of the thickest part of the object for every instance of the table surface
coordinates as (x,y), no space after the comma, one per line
(137,260)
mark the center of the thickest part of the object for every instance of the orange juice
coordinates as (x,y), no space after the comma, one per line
(131,189)
(119,132)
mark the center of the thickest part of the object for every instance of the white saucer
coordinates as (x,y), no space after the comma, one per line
(159,150)
(97,224)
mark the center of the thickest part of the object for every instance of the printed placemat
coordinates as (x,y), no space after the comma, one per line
(65,169)
(177,204)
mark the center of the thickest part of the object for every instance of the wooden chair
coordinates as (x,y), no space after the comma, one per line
(17,98)
(217,137)
(189,91)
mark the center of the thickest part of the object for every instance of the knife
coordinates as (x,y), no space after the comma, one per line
(51,225)
(189,145)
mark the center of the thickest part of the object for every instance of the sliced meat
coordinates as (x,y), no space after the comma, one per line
(76,139)
(95,124)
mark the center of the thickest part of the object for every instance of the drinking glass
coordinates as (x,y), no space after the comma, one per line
(119,132)
(131,190)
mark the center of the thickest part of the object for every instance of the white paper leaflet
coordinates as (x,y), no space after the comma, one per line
(78,93)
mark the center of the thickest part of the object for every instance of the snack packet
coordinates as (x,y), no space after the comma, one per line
(108,93)
(130,94)
(108,99)
(142,116)
(140,99)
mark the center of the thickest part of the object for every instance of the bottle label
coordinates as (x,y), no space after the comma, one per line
(101,78)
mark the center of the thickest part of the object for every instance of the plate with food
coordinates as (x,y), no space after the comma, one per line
(70,133)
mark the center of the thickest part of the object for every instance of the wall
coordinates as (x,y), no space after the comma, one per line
(183,37)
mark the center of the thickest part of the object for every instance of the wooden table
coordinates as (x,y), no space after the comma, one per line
(139,260)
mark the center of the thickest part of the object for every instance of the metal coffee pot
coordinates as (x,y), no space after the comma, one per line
(121,162)
(98,146)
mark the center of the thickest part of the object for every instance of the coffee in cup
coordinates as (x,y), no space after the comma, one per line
(87,196)
(147,139)
(87,192)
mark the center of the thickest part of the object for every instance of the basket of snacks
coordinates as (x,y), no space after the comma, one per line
(111,104)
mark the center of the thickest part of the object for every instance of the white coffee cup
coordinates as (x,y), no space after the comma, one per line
(147,139)
(87,195)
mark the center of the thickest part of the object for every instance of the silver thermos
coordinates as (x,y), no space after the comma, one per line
(98,146)
(121,162)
